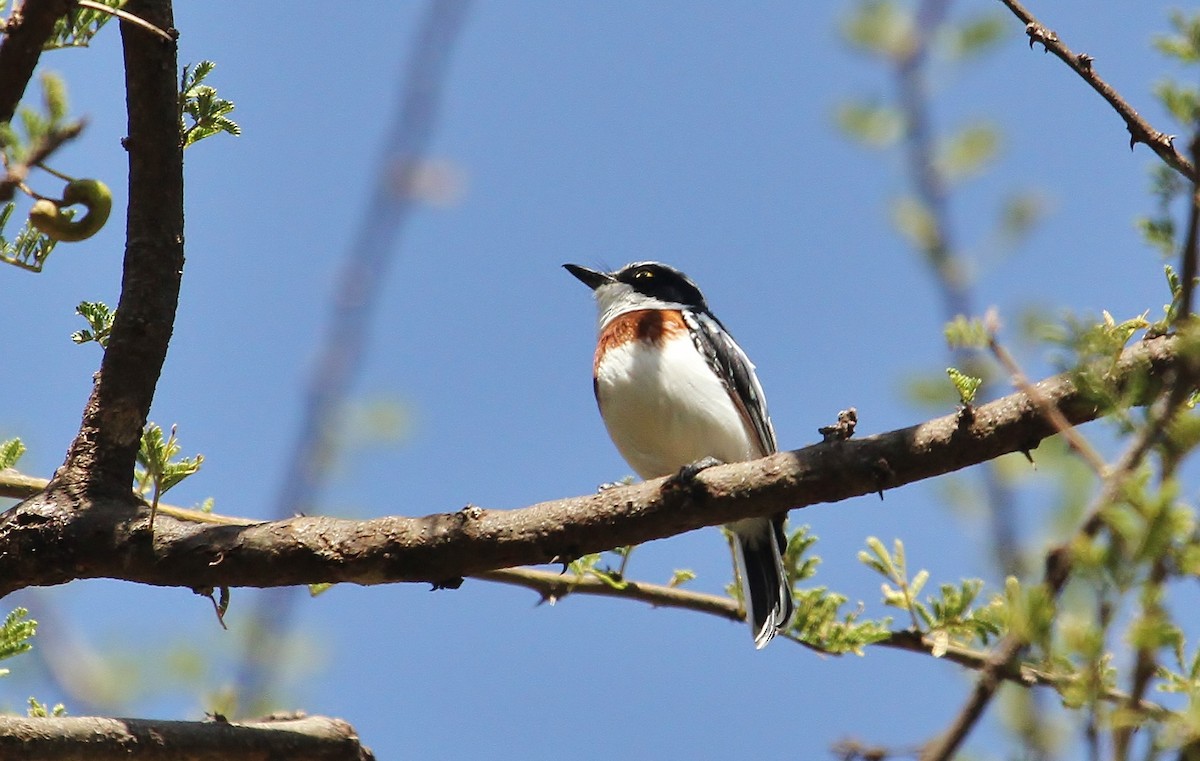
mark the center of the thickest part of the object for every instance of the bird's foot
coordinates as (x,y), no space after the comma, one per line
(687,474)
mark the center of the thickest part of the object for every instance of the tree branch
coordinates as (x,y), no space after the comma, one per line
(25,34)
(49,540)
(1140,130)
(1059,560)
(303,738)
(39,152)
(101,459)
(552,587)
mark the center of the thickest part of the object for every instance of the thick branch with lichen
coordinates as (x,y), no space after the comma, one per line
(48,539)
(300,738)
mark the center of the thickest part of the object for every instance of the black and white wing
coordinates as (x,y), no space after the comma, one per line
(732,365)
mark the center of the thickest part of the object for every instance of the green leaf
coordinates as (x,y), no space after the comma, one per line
(876,557)
(967,152)
(15,633)
(883,28)
(681,576)
(160,470)
(972,37)
(39,711)
(99,318)
(872,124)
(965,385)
(820,623)
(207,110)
(80,25)
(54,97)
(1159,232)
(30,249)
(10,452)
(916,222)
(963,333)
(174,472)
(1184,44)
(1019,215)
(1182,102)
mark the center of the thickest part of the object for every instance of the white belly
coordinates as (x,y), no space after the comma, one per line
(662,422)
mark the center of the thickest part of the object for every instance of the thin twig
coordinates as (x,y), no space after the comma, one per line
(125,16)
(16,174)
(17,485)
(1145,664)
(1140,130)
(553,587)
(1188,266)
(1075,440)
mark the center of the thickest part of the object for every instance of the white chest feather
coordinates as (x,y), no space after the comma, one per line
(664,419)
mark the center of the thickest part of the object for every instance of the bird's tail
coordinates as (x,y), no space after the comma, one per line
(759,544)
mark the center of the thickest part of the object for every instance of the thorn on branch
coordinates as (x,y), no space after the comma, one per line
(1029,456)
(883,474)
(842,429)
(1039,33)
(1134,138)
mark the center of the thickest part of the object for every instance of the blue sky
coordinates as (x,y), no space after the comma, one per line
(695,133)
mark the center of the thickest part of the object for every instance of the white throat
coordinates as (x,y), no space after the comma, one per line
(615,299)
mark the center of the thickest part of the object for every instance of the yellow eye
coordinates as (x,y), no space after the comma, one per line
(642,274)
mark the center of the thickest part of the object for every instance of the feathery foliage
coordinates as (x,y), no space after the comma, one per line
(99,319)
(200,102)
(15,633)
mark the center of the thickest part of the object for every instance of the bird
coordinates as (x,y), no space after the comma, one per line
(677,393)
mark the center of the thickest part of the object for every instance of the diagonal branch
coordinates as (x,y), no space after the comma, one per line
(101,459)
(1140,130)
(25,34)
(297,738)
(49,540)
